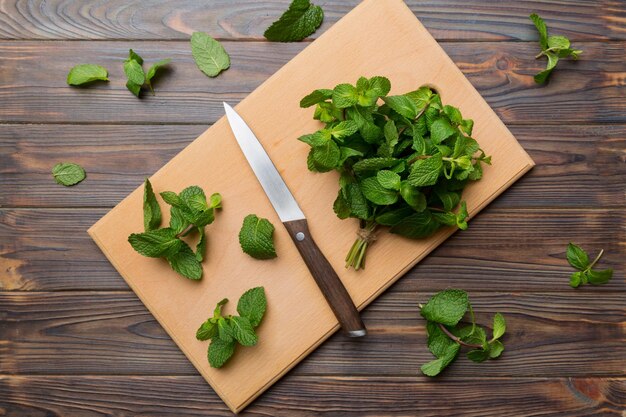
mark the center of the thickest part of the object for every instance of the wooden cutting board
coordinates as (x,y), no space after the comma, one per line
(379,37)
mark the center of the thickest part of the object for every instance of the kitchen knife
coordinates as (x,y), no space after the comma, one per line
(295,222)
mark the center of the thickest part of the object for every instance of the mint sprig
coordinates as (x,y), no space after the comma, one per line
(579,259)
(300,20)
(135,74)
(553,47)
(189,211)
(443,312)
(226,331)
(256,237)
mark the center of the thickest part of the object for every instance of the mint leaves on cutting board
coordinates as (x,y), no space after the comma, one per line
(256,237)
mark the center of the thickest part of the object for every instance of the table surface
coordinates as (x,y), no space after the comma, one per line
(74,340)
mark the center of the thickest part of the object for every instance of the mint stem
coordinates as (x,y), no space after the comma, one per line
(595,261)
(184,232)
(456,339)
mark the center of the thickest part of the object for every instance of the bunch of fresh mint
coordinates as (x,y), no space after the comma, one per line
(226,332)
(444,311)
(190,211)
(403,162)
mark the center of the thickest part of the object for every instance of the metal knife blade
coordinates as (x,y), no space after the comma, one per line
(275,188)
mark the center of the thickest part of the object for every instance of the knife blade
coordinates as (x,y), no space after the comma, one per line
(295,222)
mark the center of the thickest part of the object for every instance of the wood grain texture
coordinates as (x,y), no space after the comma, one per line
(35,90)
(248,19)
(523,250)
(98,396)
(112,333)
(577,166)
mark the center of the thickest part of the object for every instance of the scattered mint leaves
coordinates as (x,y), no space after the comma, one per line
(86,73)
(443,312)
(256,237)
(151,209)
(226,331)
(189,211)
(579,259)
(136,77)
(210,56)
(300,20)
(553,47)
(68,173)
(403,160)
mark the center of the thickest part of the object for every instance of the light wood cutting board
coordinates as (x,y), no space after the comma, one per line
(379,37)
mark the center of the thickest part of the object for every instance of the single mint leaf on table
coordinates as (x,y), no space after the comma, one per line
(134,74)
(300,20)
(542,28)
(220,351)
(577,257)
(210,56)
(153,70)
(496,349)
(252,305)
(599,277)
(499,326)
(256,237)
(68,173)
(86,73)
(446,307)
(151,209)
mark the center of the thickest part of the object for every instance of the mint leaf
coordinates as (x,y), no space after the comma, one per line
(242,331)
(478,355)
(184,262)
(577,257)
(220,351)
(496,349)
(461,217)
(576,279)
(201,246)
(344,95)
(178,223)
(86,73)
(207,330)
(252,305)
(210,56)
(441,130)
(435,367)
(542,29)
(256,237)
(499,326)
(446,307)
(300,20)
(402,105)
(375,192)
(416,226)
(68,173)
(153,70)
(374,164)
(389,179)
(326,156)
(151,209)
(412,196)
(156,243)
(135,75)
(599,277)
(315,97)
(425,172)
(344,129)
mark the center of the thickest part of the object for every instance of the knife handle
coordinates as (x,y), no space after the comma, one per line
(327,280)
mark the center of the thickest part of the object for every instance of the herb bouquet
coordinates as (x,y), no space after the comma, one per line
(403,163)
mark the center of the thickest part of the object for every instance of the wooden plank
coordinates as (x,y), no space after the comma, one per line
(589,90)
(247,19)
(93,396)
(577,166)
(48,249)
(111,333)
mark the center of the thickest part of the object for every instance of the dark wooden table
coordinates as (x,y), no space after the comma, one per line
(75,341)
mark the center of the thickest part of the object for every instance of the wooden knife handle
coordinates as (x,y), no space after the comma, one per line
(327,280)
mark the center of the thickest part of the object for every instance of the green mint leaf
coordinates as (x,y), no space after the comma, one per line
(421,97)
(467,125)
(224,329)
(135,75)
(374,164)
(599,277)
(412,196)
(132,55)
(453,114)
(217,312)
(476,336)
(344,95)
(86,73)
(496,349)
(194,206)
(402,105)
(201,246)
(252,305)
(156,243)
(389,179)
(256,237)
(558,42)
(435,367)
(446,307)
(215,201)
(358,203)
(393,217)
(380,85)
(375,192)
(220,351)
(178,223)
(68,173)
(151,209)
(425,172)
(318,138)
(171,198)
(478,355)
(344,129)
(207,330)
(242,331)
(440,130)
(416,226)
(577,257)
(542,28)
(438,341)
(499,326)
(449,199)
(185,262)
(461,217)
(326,157)
(315,97)
(576,279)
(300,20)
(210,56)
(153,70)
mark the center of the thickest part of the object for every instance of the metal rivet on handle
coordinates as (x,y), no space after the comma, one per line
(300,236)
